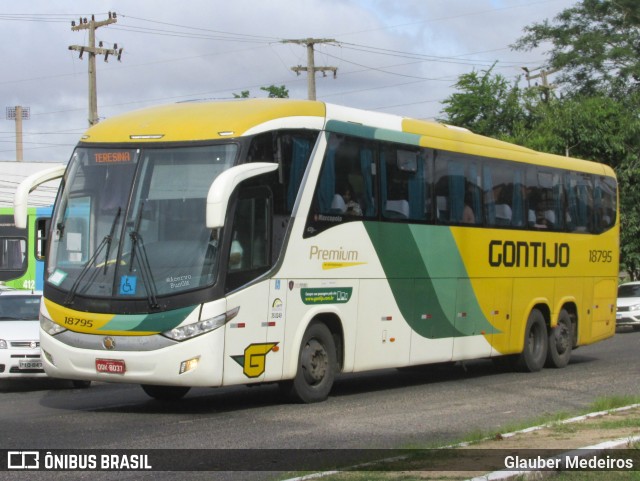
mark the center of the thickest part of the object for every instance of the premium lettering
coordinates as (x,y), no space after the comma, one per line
(332,254)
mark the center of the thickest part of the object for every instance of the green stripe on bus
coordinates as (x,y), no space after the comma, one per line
(156,322)
(409,256)
(373,133)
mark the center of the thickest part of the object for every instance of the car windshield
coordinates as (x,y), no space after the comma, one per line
(629,290)
(131,222)
(19,308)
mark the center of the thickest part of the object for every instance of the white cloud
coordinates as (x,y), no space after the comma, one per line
(176,51)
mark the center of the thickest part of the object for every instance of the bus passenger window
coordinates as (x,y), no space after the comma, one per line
(458,189)
(13,254)
(346,186)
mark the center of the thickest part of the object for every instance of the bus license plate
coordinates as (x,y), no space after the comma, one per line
(30,364)
(110,366)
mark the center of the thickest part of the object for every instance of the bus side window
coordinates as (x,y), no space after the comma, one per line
(458,189)
(42,232)
(250,246)
(345,189)
(605,204)
(405,182)
(13,254)
(504,194)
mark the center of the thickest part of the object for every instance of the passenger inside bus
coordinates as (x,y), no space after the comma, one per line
(344,201)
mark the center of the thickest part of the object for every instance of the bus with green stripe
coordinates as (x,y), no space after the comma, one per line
(284,241)
(22,250)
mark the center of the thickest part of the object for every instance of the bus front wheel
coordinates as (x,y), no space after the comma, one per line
(317,365)
(165,393)
(534,353)
(560,342)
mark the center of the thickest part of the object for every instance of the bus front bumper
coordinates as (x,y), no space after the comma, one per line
(194,362)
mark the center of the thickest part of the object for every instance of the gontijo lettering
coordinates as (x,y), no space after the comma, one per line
(528,254)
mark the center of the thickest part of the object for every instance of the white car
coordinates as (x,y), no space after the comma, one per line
(628,311)
(20,334)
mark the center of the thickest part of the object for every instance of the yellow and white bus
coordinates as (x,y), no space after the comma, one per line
(212,244)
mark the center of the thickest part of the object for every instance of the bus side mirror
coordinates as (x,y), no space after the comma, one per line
(224,185)
(28,185)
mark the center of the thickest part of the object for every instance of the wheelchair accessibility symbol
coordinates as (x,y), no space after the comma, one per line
(128,285)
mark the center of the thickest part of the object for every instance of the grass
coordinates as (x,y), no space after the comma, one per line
(553,419)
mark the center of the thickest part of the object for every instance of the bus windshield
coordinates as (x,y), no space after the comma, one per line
(131,222)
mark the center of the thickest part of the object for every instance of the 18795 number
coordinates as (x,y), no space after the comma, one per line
(596,255)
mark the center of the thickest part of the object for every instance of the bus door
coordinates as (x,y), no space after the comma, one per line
(248,350)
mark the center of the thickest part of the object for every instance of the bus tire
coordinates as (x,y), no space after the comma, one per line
(560,342)
(317,365)
(536,343)
(165,393)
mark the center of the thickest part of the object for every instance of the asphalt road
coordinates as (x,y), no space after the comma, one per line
(383,409)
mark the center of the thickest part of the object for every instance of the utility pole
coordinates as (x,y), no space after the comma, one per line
(311,68)
(546,87)
(18,113)
(92,25)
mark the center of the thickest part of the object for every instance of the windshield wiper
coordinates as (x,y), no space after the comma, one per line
(106,241)
(137,247)
(110,239)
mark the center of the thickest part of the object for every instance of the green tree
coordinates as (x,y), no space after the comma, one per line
(595,54)
(485,103)
(276,92)
(273,92)
(595,45)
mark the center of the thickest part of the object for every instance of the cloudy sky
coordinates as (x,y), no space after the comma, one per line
(400,56)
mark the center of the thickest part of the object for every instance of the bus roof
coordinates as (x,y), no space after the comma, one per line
(196,121)
(193,121)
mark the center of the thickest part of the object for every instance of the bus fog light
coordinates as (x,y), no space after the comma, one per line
(189,365)
(50,327)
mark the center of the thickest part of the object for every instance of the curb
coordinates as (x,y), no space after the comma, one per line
(505,475)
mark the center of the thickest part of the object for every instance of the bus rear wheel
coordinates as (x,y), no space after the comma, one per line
(317,365)
(560,342)
(165,393)
(536,339)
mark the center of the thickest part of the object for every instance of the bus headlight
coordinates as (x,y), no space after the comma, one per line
(196,329)
(49,326)
(3,344)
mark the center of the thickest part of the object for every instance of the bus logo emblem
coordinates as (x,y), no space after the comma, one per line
(254,361)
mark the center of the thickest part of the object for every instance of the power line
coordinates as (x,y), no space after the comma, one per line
(231,35)
(311,68)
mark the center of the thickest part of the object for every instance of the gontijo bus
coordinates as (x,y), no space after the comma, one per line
(211,244)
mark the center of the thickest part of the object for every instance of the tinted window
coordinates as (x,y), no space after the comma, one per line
(19,308)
